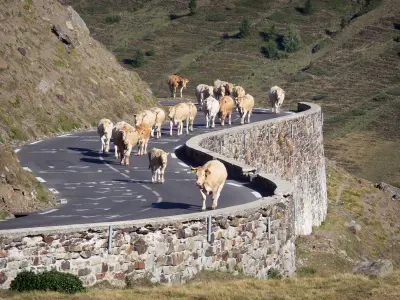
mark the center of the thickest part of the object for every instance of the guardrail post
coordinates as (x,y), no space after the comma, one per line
(209,220)
(110,233)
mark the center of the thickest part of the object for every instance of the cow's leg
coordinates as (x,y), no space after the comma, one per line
(128,155)
(207,124)
(153,173)
(107,145)
(181,89)
(216,196)
(277,108)
(121,156)
(248,116)
(213,121)
(203,195)
(162,174)
(145,147)
(242,116)
(171,124)
(187,126)
(116,151)
(102,144)
(230,119)
(152,131)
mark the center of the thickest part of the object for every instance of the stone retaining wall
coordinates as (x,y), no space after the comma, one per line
(289,147)
(248,239)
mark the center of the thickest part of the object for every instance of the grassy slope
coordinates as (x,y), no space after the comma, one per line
(84,86)
(358,63)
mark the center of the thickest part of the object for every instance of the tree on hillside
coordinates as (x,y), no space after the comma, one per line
(272,33)
(292,40)
(308,8)
(244,29)
(192,6)
(139,59)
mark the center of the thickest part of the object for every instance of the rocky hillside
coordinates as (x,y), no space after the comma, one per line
(54,77)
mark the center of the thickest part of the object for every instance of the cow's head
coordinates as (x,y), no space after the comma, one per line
(139,119)
(184,82)
(201,174)
(171,112)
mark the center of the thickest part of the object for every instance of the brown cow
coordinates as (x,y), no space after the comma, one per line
(115,130)
(146,117)
(211,178)
(158,160)
(238,92)
(177,115)
(174,82)
(226,106)
(245,106)
(144,136)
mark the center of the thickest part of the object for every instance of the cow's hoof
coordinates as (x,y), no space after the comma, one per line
(203,209)
(214,207)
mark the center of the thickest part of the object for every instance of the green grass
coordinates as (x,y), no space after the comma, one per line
(61,63)
(3,215)
(216,17)
(67,124)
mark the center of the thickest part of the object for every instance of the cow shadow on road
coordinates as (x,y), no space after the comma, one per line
(176,205)
(93,157)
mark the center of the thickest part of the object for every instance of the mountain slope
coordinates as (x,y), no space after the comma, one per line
(349,61)
(52,80)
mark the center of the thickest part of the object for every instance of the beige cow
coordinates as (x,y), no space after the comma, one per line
(144,136)
(276,97)
(245,107)
(226,106)
(174,82)
(211,178)
(158,160)
(192,115)
(160,118)
(104,129)
(127,137)
(177,115)
(238,92)
(115,130)
(146,117)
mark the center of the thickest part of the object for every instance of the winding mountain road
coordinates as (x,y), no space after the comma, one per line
(94,187)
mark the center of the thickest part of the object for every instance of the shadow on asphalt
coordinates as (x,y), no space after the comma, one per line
(176,205)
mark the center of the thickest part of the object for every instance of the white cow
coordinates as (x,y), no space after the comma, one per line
(104,129)
(177,115)
(203,91)
(210,109)
(276,97)
(245,107)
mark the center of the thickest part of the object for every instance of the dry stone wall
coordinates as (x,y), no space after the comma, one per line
(249,239)
(290,147)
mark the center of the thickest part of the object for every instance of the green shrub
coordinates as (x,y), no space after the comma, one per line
(47,281)
(379,97)
(308,8)
(139,60)
(113,19)
(244,29)
(270,50)
(193,6)
(271,33)
(215,17)
(274,274)
(292,40)
(343,22)
(151,52)
(25,281)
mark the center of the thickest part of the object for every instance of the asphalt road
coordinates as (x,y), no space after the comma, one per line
(94,187)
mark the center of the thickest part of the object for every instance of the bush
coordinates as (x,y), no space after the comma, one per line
(151,52)
(305,272)
(343,22)
(192,6)
(308,8)
(358,112)
(216,17)
(274,274)
(270,50)
(292,40)
(113,19)
(271,33)
(139,60)
(379,97)
(244,29)
(47,281)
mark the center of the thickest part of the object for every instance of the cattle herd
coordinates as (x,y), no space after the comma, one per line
(218,100)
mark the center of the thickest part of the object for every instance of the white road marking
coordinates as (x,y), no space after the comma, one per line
(118,201)
(51,167)
(126,176)
(173,155)
(17,150)
(155,193)
(70,187)
(78,167)
(99,198)
(183,164)
(27,169)
(146,187)
(54,191)
(82,209)
(40,179)
(111,167)
(36,142)
(63,201)
(234,184)
(99,171)
(145,209)
(65,135)
(49,211)
(159,199)
(126,171)
(177,147)
(177,172)
(44,151)
(139,196)
(257,194)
